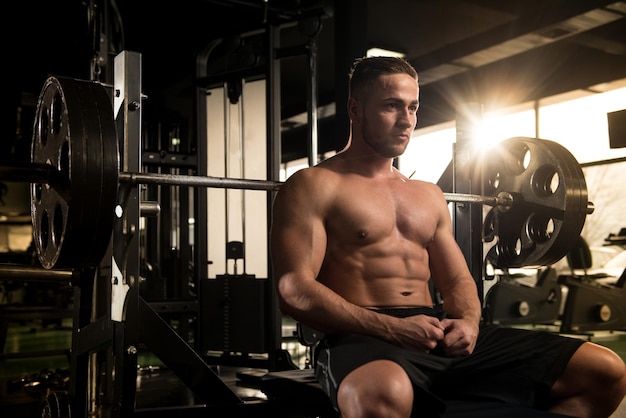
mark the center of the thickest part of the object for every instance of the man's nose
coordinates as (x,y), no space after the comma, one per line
(408,117)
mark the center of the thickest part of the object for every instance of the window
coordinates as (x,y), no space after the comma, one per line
(577,120)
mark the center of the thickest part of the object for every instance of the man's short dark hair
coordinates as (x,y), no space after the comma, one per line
(367,69)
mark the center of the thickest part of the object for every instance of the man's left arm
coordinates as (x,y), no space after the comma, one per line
(457,287)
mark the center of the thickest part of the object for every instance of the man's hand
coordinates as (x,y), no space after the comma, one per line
(460,337)
(421,332)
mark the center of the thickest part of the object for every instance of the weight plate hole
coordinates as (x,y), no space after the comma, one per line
(58,226)
(38,189)
(64,159)
(518,247)
(517,158)
(509,249)
(44,233)
(540,229)
(57,113)
(524,162)
(43,126)
(546,181)
(493,181)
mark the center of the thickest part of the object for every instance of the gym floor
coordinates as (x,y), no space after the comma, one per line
(35,361)
(35,357)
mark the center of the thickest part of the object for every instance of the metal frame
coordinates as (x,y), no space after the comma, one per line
(106,339)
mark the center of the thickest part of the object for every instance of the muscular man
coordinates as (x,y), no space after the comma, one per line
(354,244)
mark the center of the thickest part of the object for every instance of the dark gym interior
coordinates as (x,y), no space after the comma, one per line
(175,349)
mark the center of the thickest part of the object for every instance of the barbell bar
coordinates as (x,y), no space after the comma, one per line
(15,272)
(49,175)
(504,200)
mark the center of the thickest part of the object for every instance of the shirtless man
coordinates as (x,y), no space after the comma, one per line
(354,244)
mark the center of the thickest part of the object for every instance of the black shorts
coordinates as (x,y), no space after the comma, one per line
(511,365)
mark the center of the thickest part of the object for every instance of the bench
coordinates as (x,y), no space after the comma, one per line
(300,391)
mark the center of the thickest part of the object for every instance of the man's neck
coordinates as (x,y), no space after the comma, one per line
(367,163)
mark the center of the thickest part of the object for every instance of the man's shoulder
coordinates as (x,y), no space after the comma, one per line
(321,173)
(426,186)
(310,181)
(428,191)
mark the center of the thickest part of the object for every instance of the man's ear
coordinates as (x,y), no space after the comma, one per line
(353,108)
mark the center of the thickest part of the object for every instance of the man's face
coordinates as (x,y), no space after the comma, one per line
(389,114)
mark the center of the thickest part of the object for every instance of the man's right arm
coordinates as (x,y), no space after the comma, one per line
(298,246)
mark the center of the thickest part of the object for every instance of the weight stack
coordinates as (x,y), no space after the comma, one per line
(233,314)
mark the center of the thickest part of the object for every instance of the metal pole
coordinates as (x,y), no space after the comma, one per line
(198,181)
(312,107)
(44,175)
(9,272)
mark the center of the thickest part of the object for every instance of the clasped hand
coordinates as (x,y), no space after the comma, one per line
(450,337)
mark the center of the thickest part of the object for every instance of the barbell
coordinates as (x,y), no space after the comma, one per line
(538,206)
(48,175)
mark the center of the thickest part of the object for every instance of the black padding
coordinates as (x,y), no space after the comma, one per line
(617,128)
(579,257)
(467,409)
(300,387)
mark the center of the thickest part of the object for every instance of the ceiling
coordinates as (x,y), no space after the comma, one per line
(497,53)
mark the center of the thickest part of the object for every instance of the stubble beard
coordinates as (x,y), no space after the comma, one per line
(385,146)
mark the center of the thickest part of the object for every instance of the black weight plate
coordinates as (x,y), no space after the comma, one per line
(74,132)
(55,405)
(574,219)
(547,215)
(103,158)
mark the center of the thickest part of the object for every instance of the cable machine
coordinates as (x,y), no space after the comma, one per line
(229,67)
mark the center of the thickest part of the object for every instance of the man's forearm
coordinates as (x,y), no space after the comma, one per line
(463,303)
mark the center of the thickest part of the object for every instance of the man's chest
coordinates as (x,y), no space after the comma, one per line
(370,214)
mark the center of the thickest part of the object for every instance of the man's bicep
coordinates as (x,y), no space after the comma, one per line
(297,238)
(446,258)
(294,248)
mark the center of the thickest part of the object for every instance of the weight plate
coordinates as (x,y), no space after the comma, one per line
(55,405)
(74,132)
(550,202)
